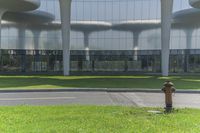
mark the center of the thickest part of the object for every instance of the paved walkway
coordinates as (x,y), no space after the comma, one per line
(98,98)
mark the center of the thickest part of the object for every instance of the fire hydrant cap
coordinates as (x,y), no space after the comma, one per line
(168,84)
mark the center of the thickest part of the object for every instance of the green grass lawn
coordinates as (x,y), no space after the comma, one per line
(96,119)
(153,82)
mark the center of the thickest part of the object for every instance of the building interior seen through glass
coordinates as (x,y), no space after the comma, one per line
(106,36)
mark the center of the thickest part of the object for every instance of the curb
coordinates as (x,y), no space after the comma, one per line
(97,90)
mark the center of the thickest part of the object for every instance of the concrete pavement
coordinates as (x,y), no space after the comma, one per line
(146,90)
(141,99)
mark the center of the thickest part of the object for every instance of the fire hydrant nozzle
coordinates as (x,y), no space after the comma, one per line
(168,89)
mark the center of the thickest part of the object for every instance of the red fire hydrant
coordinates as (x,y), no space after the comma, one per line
(168,89)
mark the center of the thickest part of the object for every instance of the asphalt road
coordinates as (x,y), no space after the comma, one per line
(98,98)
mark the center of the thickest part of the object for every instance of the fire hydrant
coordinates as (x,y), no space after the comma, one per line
(168,89)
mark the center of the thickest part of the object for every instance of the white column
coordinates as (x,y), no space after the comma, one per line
(188,33)
(2,11)
(65,13)
(135,44)
(86,45)
(21,37)
(36,38)
(21,45)
(166,16)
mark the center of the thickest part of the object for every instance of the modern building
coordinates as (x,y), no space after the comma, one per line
(97,36)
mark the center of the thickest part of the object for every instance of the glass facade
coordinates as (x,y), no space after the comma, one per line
(148,61)
(109,50)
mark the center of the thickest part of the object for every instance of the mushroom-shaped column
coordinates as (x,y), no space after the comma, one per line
(52,26)
(166,16)
(38,28)
(187,20)
(29,20)
(136,27)
(17,5)
(65,14)
(46,27)
(87,27)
